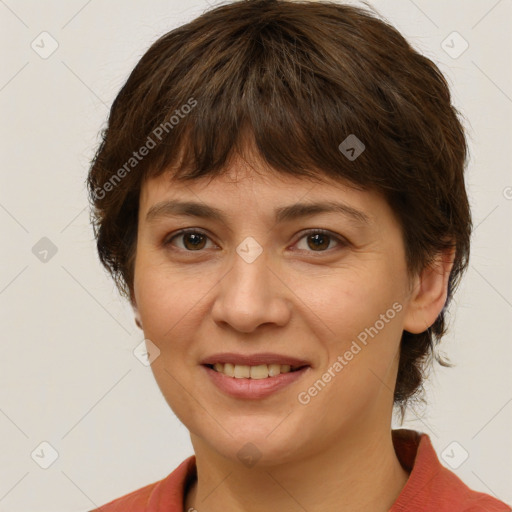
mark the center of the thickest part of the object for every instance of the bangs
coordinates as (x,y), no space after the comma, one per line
(266,92)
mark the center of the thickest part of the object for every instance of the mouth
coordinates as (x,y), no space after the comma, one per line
(253,382)
(257,372)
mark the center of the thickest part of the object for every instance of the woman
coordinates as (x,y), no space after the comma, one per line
(280,196)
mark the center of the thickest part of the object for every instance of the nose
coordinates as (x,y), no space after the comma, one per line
(251,294)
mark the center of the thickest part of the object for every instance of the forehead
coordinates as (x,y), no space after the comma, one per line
(242,179)
(243,189)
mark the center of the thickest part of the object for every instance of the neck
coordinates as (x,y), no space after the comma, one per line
(360,473)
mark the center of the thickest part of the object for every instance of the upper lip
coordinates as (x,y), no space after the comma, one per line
(254,359)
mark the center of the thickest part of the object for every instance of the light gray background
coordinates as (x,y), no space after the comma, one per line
(68,375)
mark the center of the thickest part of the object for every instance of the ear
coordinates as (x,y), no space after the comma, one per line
(137,317)
(430,290)
(133,302)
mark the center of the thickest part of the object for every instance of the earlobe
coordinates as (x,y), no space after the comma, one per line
(429,293)
(137,320)
(136,313)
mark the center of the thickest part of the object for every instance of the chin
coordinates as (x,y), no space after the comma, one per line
(262,443)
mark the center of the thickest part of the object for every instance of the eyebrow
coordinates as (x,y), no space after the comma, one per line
(172,208)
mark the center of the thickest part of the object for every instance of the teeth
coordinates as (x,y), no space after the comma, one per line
(261,371)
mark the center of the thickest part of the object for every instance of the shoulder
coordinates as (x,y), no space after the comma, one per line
(487,504)
(134,501)
(164,495)
(432,486)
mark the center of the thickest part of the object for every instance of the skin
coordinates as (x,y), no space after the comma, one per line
(336,452)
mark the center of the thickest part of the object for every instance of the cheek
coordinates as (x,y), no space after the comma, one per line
(173,304)
(358,314)
(345,303)
(167,296)
(169,303)
(363,320)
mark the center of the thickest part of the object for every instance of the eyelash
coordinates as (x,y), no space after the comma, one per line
(342,242)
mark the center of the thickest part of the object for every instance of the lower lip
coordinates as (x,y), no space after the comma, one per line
(253,388)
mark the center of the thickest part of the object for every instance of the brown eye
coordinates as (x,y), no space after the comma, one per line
(319,241)
(191,240)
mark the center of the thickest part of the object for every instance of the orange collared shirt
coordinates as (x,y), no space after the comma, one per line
(431,487)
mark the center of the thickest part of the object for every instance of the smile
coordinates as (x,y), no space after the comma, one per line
(252,382)
(261,371)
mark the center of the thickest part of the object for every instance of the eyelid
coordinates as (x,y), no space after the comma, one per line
(342,241)
(168,239)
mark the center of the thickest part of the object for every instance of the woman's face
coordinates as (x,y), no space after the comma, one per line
(264,280)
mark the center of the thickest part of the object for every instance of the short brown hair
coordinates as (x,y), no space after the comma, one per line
(297,78)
